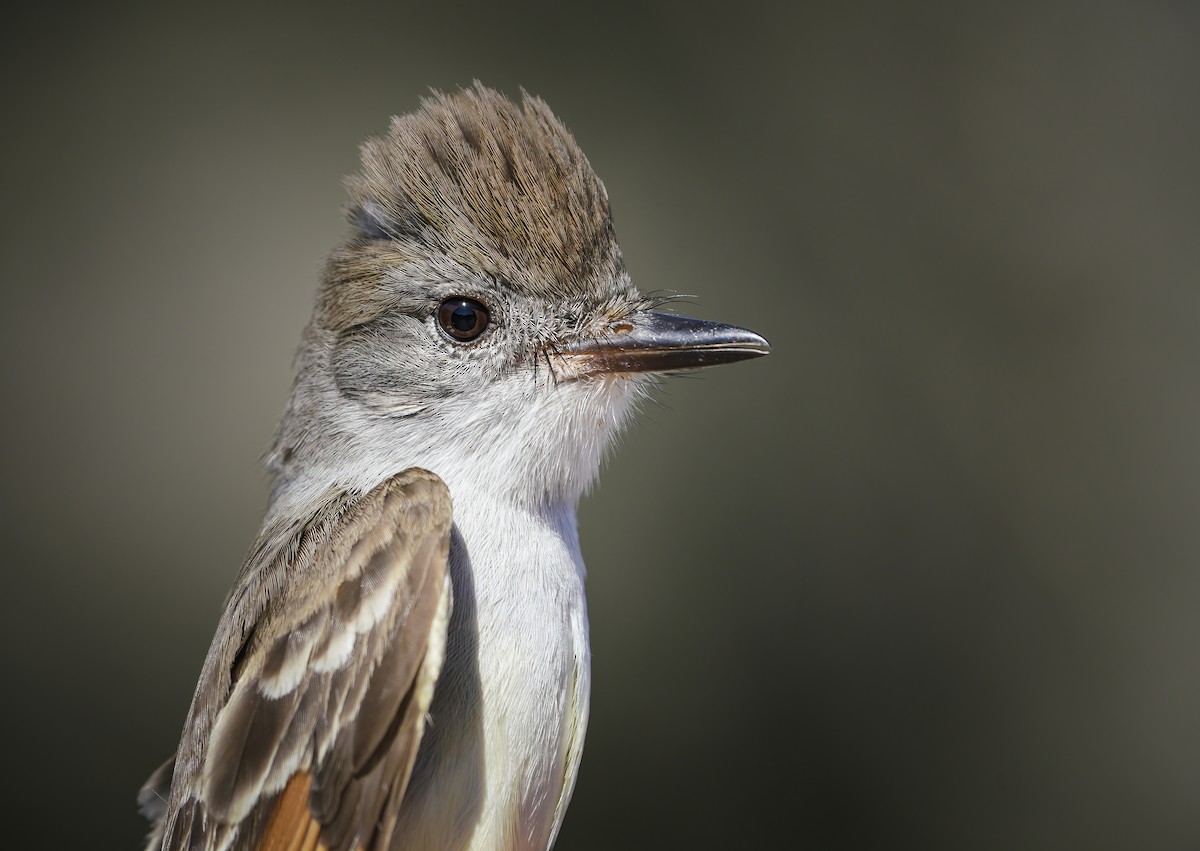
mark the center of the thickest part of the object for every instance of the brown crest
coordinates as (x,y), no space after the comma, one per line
(501,189)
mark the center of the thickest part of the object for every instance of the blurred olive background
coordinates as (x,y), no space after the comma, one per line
(926,577)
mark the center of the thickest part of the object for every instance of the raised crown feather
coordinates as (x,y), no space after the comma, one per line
(501,189)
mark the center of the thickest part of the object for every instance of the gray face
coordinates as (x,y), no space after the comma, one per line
(449,332)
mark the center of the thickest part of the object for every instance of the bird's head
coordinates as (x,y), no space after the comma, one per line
(479,320)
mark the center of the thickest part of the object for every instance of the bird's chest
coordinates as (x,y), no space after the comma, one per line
(508,716)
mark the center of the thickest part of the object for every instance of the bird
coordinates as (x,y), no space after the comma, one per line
(403,660)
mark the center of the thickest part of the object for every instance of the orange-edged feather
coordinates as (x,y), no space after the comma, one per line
(292,826)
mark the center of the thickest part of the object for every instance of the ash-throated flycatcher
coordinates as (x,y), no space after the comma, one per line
(403,661)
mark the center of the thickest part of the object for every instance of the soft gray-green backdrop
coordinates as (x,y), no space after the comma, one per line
(926,577)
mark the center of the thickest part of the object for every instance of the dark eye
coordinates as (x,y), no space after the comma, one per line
(464,319)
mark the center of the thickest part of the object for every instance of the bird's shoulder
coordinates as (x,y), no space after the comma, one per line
(312,700)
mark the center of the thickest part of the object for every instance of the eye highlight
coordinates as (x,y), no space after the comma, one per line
(464,319)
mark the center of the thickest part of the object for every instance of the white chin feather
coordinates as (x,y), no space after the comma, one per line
(539,444)
(524,439)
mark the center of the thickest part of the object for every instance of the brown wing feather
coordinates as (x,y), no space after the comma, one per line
(312,701)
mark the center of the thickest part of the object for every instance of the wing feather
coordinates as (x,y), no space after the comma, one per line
(291,822)
(313,699)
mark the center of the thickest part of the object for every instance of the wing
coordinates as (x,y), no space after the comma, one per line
(313,698)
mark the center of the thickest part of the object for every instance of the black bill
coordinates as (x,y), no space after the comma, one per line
(660,342)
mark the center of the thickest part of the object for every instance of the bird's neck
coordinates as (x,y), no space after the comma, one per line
(531,443)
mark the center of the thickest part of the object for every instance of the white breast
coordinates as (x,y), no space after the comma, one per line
(506,727)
